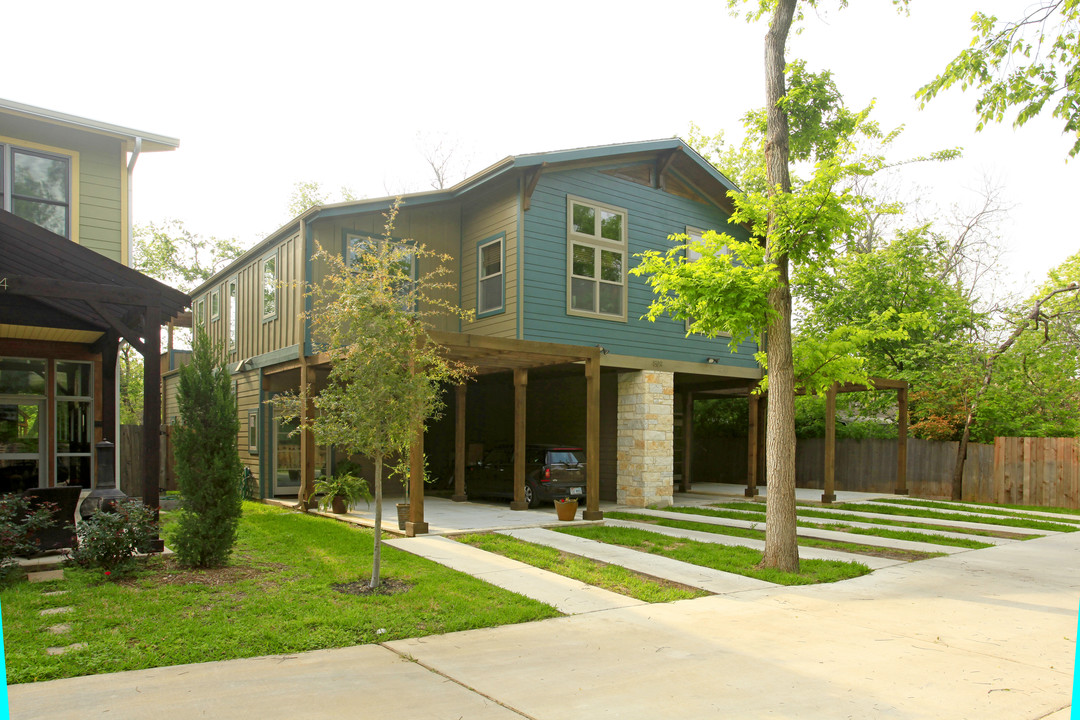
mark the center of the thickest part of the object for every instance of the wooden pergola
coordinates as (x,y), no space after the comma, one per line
(55,291)
(491,355)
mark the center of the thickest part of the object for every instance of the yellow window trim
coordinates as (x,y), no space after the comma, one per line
(74,155)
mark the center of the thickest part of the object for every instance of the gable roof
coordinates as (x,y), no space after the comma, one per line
(151,142)
(715,183)
(70,289)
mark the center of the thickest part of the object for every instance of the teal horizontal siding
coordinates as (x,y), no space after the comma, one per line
(652,215)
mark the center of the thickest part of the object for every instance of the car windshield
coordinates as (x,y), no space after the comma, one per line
(566,457)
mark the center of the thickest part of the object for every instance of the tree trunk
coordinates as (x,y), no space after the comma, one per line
(376,555)
(781,546)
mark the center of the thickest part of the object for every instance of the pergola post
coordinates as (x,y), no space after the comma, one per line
(829,495)
(592,440)
(307,437)
(521,381)
(416,525)
(901,441)
(152,413)
(752,446)
(459,444)
(688,441)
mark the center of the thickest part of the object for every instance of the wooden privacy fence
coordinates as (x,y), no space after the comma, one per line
(131,460)
(1037,471)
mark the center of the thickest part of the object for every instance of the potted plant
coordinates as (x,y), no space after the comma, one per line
(566,508)
(341,492)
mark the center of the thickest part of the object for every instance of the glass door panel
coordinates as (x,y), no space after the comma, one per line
(21,444)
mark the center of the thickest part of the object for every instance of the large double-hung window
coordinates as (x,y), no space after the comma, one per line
(596,259)
(36,186)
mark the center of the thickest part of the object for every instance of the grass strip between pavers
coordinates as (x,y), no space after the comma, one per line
(931,539)
(909,511)
(727,558)
(274,598)
(840,546)
(809,511)
(1070,515)
(592,572)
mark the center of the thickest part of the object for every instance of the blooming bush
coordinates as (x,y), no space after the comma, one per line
(110,539)
(18,523)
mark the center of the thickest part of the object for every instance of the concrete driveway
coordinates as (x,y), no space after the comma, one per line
(982,634)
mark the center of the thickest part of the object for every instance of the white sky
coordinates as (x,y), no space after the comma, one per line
(263,95)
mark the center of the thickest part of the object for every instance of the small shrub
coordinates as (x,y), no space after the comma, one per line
(110,539)
(18,523)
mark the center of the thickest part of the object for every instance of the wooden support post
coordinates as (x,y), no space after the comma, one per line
(830,446)
(688,441)
(416,525)
(459,444)
(752,447)
(521,381)
(592,441)
(901,441)
(152,414)
(307,437)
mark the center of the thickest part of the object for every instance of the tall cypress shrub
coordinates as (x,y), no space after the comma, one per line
(207,462)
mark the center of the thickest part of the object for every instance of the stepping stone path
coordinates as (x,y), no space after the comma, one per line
(64,650)
(56,611)
(59,629)
(45,576)
(62,628)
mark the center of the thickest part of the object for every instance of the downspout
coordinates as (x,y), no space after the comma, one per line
(130,173)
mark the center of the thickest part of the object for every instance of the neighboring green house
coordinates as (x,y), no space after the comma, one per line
(540,248)
(66,297)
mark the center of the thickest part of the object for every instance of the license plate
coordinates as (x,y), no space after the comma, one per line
(576,491)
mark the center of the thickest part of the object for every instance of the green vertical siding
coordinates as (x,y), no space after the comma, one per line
(487,215)
(652,215)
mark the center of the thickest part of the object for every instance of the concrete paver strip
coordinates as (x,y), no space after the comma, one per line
(567,595)
(359,682)
(958,524)
(714,581)
(808,553)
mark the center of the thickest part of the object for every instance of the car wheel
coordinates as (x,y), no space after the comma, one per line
(530,496)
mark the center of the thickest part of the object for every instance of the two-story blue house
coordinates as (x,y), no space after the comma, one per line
(540,246)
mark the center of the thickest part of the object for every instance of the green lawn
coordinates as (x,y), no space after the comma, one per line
(275,597)
(1007,519)
(728,558)
(601,575)
(1006,510)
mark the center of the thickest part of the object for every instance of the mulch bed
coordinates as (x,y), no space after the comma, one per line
(389,586)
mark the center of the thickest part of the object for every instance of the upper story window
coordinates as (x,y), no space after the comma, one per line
(200,313)
(362,250)
(231,299)
(269,287)
(491,283)
(215,304)
(697,235)
(36,186)
(596,259)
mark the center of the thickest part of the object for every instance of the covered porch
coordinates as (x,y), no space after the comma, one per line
(64,309)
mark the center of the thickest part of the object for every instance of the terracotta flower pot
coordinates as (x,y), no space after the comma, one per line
(339,505)
(566,510)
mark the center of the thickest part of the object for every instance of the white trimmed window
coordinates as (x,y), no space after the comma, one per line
(361,249)
(36,186)
(596,259)
(491,277)
(215,304)
(200,313)
(233,313)
(270,287)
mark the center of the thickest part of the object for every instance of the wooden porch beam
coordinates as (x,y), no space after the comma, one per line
(688,440)
(592,441)
(416,525)
(152,415)
(48,287)
(521,382)
(829,494)
(901,441)
(459,443)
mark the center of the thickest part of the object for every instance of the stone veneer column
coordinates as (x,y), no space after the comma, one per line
(646,438)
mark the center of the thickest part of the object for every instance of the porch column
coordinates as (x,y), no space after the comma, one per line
(416,525)
(592,441)
(752,447)
(459,444)
(901,442)
(307,437)
(152,413)
(829,495)
(688,440)
(521,381)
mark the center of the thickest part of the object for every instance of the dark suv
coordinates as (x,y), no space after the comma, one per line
(551,472)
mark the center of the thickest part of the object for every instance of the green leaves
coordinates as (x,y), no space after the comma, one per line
(1021,65)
